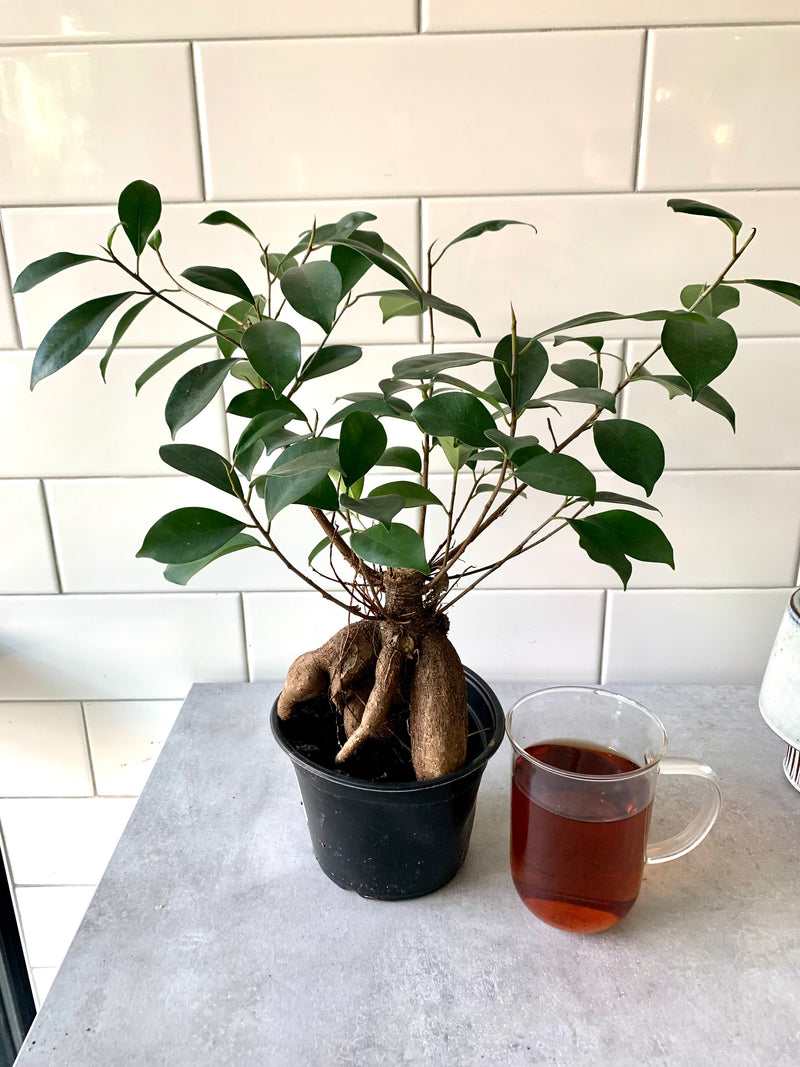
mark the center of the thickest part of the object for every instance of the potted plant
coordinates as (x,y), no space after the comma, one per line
(388,731)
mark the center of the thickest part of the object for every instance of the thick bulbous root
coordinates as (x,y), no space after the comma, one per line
(438,709)
(333,667)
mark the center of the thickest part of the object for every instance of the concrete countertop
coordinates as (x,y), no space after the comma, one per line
(214,938)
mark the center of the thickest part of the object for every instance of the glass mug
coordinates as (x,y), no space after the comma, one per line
(583,777)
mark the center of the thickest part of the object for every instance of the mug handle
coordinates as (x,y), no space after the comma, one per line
(681,843)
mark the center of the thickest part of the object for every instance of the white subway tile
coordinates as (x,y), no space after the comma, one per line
(517,635)
(43,751)
(43,978)
(451,131)
(687,635)
(722,108)
(731,529)
(32,233)
(280,626)
(151,20)
(75,425)
(623,253)
(26,562)
(50,918)
(62,842)
(128,647)
(79,123)
(451,15)
(125,738)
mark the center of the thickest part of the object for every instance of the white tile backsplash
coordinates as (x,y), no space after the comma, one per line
(125,738)
(61,135)
(704,127)
(450,131)
(43,750)
(50,919)
(62,842)
(26,562)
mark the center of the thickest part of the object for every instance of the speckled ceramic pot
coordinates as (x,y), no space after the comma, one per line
(779,699)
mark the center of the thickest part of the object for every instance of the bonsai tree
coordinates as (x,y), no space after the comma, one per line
(393,670)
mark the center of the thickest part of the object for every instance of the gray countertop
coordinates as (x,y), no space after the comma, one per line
(214,938)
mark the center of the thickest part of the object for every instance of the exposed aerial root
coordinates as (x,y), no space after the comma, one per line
(332,667)
(438,709)
(387,679)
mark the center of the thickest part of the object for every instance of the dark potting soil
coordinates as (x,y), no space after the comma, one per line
(316,731)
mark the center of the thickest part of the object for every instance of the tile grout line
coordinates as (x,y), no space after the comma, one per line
(12,303)
(605,634)
(88,748)
(247,663)
(198,97)
(51,534)
(644,88)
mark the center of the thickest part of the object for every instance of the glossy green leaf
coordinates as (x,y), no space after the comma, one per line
(456,415)
(493,225)
(430,366)
(723,298)
(604,316)
(631,450)
(246,459)
(320,546)
(350,263)
(582,373)
(273,349)
(277,263)
(314,291)
(601,398)
(246,372)
(619,498)
(362,442)
(341,230)
(329,359)
(602,546)
(399,546)
(553,472)
(391,386)
(531,367)
(639,537)
(788,290)
(322,496)
(675,385)
(399,302)
(155,240)
(456,454)
(254,402)
(413,494)
(227,218)
(219,280)
(139,210)
(512,445)
(595,343)
(241,311)
(382,508)
(323,459)
(73,333)
(401,456)
(182,573)
(698,347)
(281,491)
(391,407)
(193,391)
(168,357)
(122,327)
(697,207)
(260,428)
(42,269)
(188,534)
(202,463)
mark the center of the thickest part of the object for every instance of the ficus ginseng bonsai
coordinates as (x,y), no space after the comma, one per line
(393,668)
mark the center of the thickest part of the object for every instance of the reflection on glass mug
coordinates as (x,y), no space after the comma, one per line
(584,768)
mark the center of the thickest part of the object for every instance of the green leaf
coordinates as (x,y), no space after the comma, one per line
(788,290)
(553,472)
(73,333)
(352,266)
(601,398)
(582,373)
(273,349)
(204,464)
(456,415)
(340,230)
(192,392)
(245,372)
(219,280)
(399,302)
(260,428)
(168,357)
(393,407)
(139,209)
(329,359)
(382,508)
(229,325)
(723,298)
(696,207)
(188,534)
(226,218)
(320,546)
(430,366)
(254,402)
(518,449)
(639,537)
(675,385)
(595,343)
(181,573)
(154,240)
(246,460)
(698,347)
(362,442)
(484,227)
(322,496)
(277,263)
(401,456)
(281,491)
(631,450)
(531,367)
(602,546)
(121,329)
(399,546)
(604,316)
(619,498)
(314,291)
(42,269)
(456,454)
(412,494)
(465,387)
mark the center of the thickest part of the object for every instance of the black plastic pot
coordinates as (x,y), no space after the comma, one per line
(396,840)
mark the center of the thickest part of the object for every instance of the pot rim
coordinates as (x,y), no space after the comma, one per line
(342,779)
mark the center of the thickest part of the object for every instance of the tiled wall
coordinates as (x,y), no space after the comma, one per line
(434,118)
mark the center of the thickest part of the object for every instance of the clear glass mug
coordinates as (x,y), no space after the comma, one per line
(583,777)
